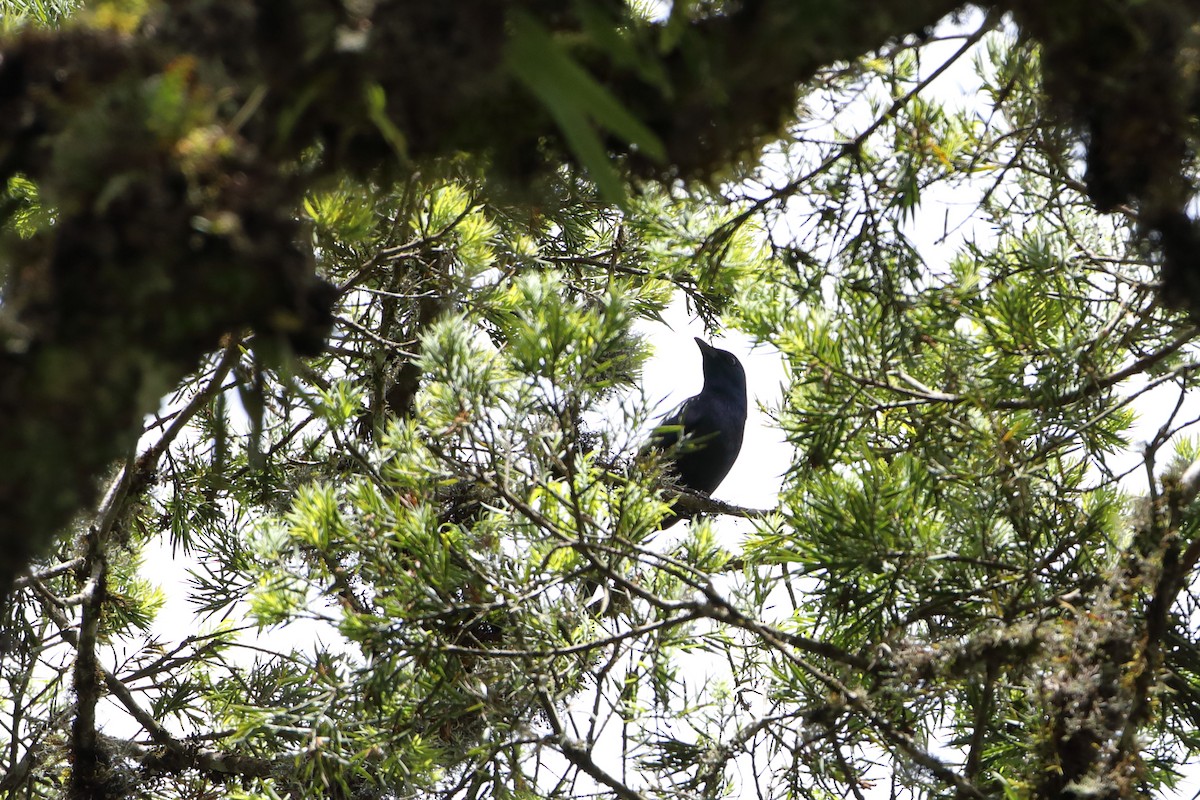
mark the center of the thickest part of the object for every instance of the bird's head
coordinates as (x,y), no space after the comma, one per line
(722,371)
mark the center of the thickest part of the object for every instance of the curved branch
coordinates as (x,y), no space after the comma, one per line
(921,393)
(580,756)
(174,760)
(691,502)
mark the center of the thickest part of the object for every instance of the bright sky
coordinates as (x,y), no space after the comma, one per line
(674,374)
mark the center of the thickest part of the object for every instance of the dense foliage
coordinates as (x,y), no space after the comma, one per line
(426,562)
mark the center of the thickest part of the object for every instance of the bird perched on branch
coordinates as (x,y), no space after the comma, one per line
(698,442)
(702,438)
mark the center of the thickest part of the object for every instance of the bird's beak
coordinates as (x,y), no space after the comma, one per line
(703,345)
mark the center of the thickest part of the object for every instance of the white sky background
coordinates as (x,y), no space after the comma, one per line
(945,220)
(671,375)
(674,373)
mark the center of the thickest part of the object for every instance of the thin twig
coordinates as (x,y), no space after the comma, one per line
(578,755)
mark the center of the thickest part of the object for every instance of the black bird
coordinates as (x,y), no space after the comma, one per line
(699,441)
(702,438)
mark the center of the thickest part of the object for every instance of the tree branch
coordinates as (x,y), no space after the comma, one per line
(578,755)
(922,393)
(691,503)
(175,760)
(902,742)
(87,760)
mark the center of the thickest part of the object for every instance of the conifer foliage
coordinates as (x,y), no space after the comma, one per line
(354,550)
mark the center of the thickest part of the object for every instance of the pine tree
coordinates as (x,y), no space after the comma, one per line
(976,582)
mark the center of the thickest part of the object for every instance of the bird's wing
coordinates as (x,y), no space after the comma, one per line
(670,428)
(686,418)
